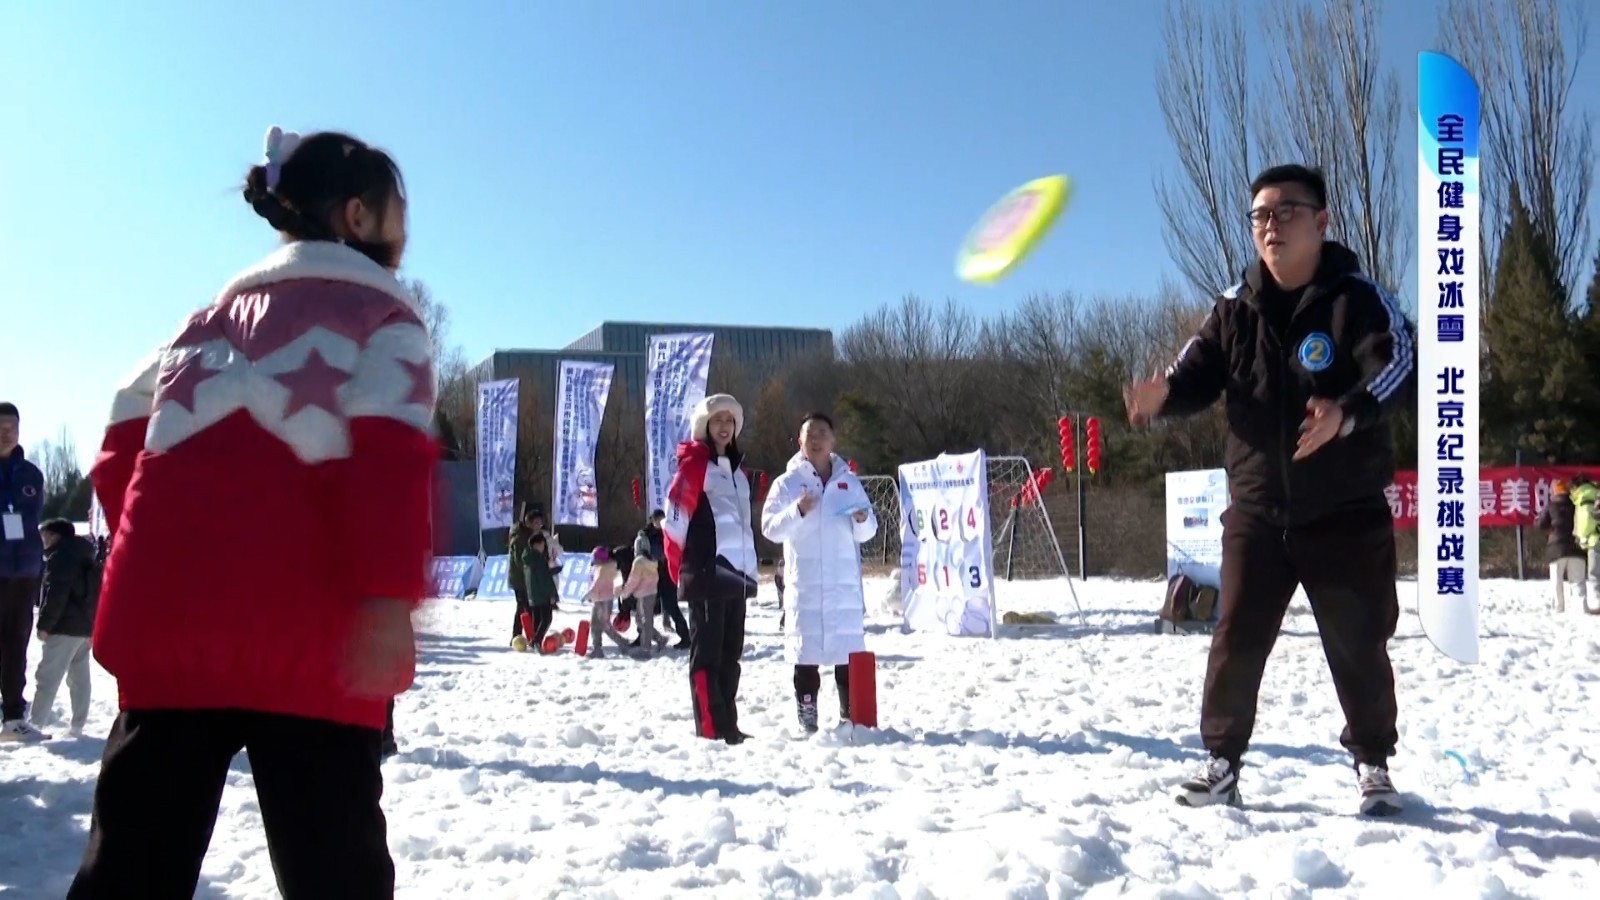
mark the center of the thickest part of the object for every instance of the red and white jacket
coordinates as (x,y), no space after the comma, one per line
(264,474)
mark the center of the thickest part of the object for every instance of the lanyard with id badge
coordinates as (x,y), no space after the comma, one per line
(10,520)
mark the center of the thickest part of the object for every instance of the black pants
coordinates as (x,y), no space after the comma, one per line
(318,785)
(808,680)
(671,612)
(716,644)
(388,725)
(1347,566)
(18,596)
(542,617)
(522,606)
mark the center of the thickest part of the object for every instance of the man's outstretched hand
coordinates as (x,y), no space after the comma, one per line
(1322,423)
(1144,400)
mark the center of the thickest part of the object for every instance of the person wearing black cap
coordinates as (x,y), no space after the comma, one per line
(66,620)
(21,565)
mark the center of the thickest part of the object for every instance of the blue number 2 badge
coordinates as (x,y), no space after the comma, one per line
(1316,352)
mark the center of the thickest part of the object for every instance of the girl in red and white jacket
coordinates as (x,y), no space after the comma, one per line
(711,554)
(287,427)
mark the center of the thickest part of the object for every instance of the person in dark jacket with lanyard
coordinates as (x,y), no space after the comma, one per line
(1313,358)
(66,620)
(711,550)
(1567,559)
(21,565)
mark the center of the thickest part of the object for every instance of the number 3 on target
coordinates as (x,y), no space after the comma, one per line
(974,576)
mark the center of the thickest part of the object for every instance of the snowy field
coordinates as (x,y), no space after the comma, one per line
(1040,765)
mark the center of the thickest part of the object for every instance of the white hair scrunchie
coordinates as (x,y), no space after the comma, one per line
(280,146)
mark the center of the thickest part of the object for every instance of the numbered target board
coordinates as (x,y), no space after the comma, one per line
(946,559)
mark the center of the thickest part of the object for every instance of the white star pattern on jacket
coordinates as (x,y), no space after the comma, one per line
(314,337)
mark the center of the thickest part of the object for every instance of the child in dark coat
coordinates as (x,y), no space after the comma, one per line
(540,577)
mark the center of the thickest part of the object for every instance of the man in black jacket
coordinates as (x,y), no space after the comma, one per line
(66,620)
(1312,357)
(21,562)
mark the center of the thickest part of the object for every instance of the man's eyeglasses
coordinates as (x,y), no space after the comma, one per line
(1282,213)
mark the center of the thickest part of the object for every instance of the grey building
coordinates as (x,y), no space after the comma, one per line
(754,352)
(744,355)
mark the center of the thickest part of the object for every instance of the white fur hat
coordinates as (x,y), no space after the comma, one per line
(710,406)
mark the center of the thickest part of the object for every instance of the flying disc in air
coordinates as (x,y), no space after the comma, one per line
(1010,230)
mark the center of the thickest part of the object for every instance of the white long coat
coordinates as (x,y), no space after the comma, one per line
(821,560)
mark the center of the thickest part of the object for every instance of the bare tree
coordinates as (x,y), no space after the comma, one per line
(1203,84)
(1339,108)
(456,379)
(58,462)
(65,486)
(918,365)
(619,456)
(1525,56)
(1038,340)
(535,437)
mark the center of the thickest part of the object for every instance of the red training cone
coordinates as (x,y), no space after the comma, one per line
(527,626)
(864,689)
(583,638)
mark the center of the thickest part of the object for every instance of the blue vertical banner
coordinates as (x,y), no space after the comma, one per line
(679,367)
(1449,309)
(581,392)
(497,453)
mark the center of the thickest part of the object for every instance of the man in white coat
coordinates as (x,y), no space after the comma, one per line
(819,511)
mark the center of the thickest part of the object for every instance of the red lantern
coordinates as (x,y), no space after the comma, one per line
(1091,434)
(1034,491)
(1068,444)
(638,495)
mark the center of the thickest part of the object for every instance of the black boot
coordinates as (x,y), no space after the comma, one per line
(844,706)
(806,706)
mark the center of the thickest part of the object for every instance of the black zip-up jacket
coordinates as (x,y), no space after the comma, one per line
(71,589)
(1557,519)
(1346,340)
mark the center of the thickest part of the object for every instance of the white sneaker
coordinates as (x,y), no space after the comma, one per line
(1216,783)
(21,731)
(1378,796)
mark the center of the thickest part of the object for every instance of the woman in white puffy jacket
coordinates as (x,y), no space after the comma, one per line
(819,511)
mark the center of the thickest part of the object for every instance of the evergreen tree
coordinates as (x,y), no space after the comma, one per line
(1540,395)
(1594,287)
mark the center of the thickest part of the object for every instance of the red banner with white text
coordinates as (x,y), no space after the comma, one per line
(1508,496)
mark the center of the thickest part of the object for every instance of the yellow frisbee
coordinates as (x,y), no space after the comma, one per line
(1010,230)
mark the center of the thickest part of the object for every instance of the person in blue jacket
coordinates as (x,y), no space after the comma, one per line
(21,567)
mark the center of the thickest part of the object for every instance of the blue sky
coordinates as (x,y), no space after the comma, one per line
(700,160)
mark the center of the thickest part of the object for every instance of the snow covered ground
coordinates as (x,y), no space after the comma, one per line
(1040,765)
